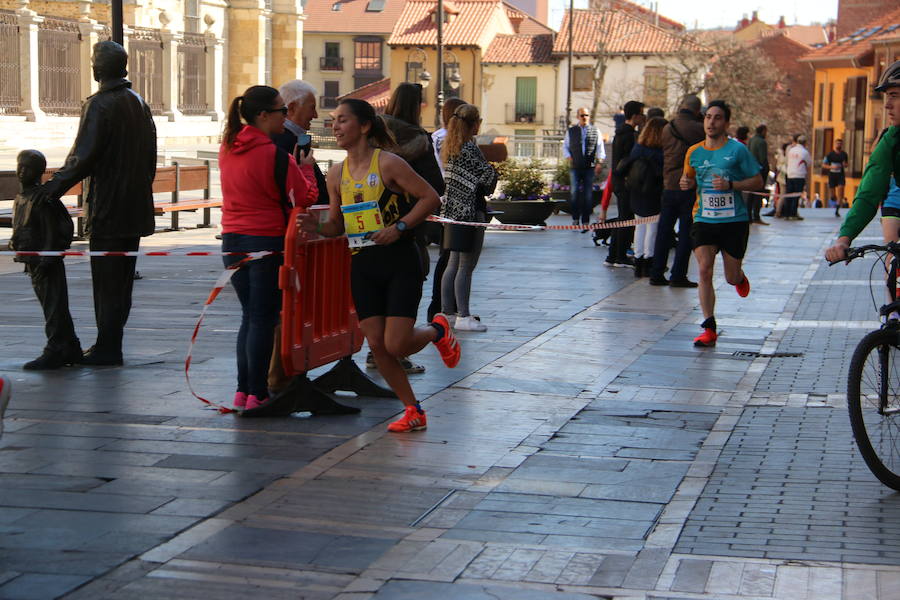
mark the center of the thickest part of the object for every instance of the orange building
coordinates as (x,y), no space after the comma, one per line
(845,105)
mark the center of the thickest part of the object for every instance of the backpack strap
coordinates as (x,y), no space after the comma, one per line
(281,169)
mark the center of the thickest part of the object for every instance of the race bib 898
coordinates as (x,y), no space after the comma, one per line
(717,204)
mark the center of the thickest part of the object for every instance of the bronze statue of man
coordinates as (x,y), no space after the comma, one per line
(115,150)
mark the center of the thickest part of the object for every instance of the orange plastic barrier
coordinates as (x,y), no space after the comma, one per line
(318,318)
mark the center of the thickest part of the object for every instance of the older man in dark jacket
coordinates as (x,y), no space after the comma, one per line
(116,150)
(682,132)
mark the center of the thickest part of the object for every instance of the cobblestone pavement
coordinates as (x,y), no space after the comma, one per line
(583,449)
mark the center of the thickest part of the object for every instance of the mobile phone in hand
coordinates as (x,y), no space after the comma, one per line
(304,145)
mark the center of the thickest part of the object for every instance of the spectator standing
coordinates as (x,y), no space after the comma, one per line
(469,178)
(623,142)
(759,148)
(682,132)
(798,164)
(403,118)
(583,147)
(643,171)
(255,211)
(742,134)
(300,99)
(837,162)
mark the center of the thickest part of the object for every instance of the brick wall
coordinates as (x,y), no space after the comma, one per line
(853,14)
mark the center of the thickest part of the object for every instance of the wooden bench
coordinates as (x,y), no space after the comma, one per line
(172,180)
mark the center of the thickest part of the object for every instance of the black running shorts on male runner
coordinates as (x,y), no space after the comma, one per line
(386,281)
(836,180)
(730,237)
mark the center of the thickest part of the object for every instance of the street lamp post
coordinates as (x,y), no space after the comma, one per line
(439,105)
(117,26)
(571,58)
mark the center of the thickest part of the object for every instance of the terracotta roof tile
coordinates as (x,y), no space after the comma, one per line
(885,27)
(519,49)
(377,93)
(415,26)
(352,17)
(644,13)
(621,33)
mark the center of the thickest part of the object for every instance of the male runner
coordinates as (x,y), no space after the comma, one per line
(882,174)
(836,162)
(720,168)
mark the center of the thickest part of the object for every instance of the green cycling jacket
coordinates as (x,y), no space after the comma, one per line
(883,164)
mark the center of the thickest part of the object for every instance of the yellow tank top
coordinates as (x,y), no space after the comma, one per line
(393,206)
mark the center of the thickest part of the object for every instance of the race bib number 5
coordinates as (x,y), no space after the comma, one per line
(361,220)
(717,204)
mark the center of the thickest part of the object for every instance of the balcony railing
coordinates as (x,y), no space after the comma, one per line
(331,63)
(328,101)
(531,115)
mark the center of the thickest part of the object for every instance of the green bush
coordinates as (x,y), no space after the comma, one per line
(519,179)
(561,176)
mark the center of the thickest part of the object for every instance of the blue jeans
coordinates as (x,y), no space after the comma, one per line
(256,284)
(582,188)
(794,185)
(676,205)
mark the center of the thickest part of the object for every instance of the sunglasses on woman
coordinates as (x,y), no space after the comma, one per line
(283,110)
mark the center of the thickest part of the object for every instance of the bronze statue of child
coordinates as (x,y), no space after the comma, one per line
(45,224)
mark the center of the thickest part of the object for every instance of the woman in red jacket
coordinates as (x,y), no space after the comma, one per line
(254,218)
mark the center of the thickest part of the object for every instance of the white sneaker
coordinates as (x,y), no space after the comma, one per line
(470,323)
(5,388)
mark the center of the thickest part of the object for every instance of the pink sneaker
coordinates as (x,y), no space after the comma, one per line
(240,400)
(254,402)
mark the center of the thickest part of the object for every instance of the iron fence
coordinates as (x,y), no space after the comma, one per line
(59,67)
(192,75)
(10,65)
(145,60)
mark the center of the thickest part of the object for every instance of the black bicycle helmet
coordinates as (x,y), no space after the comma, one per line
(890,78)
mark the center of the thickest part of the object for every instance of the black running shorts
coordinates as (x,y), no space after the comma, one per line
(386,281)
(836,180)
(730,237)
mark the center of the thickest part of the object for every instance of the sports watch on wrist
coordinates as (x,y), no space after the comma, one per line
(401,226)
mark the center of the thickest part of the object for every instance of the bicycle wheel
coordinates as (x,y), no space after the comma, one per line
(873,399)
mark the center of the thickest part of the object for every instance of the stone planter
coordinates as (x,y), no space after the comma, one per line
(523,212)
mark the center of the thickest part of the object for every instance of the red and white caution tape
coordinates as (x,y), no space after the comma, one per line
(513,227)
(129,253)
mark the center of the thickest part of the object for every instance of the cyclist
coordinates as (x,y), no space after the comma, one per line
(720,168)
(881,178)
(370,194)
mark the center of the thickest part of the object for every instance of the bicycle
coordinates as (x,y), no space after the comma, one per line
(873,382)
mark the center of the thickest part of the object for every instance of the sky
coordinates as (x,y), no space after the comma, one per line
(725,14)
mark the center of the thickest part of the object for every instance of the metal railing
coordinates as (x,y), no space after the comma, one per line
(10,65)
(192,75)
(526,115)
(331,63)
(59,70)
(328,101)
(145,50)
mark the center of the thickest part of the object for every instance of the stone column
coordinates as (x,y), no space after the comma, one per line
(90,35)
(287,41)
(247,45)
(215,75)
(170,42)
(29,86)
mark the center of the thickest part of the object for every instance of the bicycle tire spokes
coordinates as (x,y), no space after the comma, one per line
(873,401)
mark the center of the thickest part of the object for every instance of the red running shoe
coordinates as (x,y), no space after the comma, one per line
(707,338)
(413,419)
(448,345)
(743,288)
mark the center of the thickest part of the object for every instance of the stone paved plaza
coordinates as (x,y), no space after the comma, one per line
(582,449)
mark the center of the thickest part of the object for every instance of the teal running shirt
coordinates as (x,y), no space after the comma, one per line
(732,161)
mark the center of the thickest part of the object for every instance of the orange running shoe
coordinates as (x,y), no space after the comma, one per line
(707,338)
(448,345)
(743,288)
(413,419)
